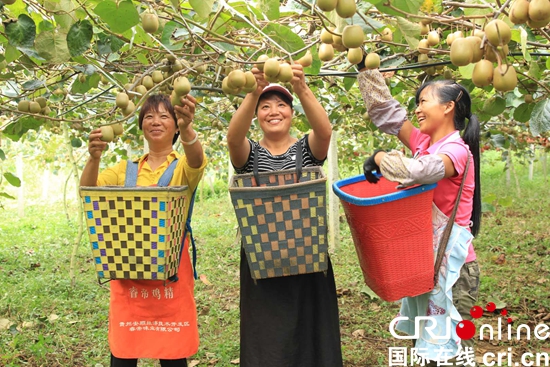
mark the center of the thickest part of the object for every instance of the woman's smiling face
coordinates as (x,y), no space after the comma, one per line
(159,125)
(430,112)
(274,114)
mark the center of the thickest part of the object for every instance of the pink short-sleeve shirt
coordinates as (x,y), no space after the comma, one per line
(446,190)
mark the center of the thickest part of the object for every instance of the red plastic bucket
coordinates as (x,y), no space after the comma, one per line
(392,233)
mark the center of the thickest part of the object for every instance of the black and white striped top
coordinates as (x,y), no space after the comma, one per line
(268,162)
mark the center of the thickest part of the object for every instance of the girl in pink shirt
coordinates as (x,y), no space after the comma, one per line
(440,155)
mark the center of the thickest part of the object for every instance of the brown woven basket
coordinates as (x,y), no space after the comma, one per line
(282,221)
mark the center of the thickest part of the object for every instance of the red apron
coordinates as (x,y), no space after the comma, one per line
(150,320)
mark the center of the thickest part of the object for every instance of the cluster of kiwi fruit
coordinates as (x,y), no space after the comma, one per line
(238,81)
(344,8)
(110,131)
(466,50)
(38,105)
(536,13)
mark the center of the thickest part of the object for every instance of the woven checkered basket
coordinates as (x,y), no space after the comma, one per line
(282,221)
(135,232)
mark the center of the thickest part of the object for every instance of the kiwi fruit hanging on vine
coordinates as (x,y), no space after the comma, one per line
(149,22)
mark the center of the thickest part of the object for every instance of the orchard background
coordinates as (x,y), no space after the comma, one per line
(73,57)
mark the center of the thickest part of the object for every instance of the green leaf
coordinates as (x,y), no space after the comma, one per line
(63,11)
(489,198)
(52,46)
(534,70)
(349,82)
(270,8)
(11,53)
(7,196)
(494,106)
(410,31)
(505,201)
(522,113)
(202,7)
(467,71)
(21,33)
(485,207)
(540,118)
(33,85)
(408,6)
(284,37)
(80,37)
(166,37)
(2,155)
(119,18)
(12,179)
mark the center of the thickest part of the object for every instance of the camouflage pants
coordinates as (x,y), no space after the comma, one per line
(465,294)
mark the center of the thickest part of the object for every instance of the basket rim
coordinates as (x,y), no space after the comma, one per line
(321,178)
(135,188)
(402,194)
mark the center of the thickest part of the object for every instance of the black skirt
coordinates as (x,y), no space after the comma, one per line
(289,321)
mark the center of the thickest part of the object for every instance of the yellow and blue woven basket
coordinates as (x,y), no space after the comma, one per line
(282,221)
(135,232)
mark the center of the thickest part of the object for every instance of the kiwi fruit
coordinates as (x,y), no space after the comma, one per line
(327,5)
(175,99)
(433,38)
(424,29)
(346,8)
(326,52)
(355,55)
(250,85)
(326,36)
(498,32)
(45,111)
(478,33)
(182,86)
(422,58)
(482,74)
(122,100)
(150,22)
(352,36)
(519,12)
(261,62)
(8,2)
(539,11)
(227,89)
(107,133)
(117,128)
(541,24)
(285,73)
(504,78)
(34,107)
(271,67)
(157,76)
(129,109)
(423,46)
(141,90)
(236,79)
(307,59)
(528,98)
(387,35)
(148,82)
(41,101)
(461,52)
(372,61)
(491,54)
(23,105)
(477,51)
(82,78)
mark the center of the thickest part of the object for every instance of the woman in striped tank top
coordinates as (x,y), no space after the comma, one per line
(289,321)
